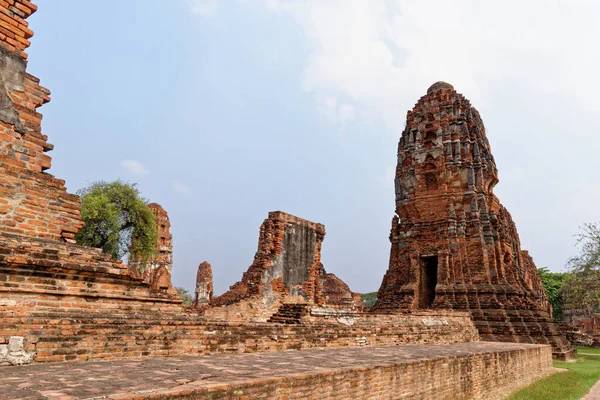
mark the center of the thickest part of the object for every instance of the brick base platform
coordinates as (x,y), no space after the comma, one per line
(455,371)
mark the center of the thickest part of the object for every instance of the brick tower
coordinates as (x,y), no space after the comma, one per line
(453,244)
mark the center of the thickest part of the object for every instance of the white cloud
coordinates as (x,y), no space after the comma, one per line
(180,187)
(135,167)
(378,54)
(203,8)
(339,114)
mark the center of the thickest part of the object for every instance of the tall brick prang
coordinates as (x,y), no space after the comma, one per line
(453,244)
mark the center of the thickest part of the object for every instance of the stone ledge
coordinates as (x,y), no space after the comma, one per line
(457,371)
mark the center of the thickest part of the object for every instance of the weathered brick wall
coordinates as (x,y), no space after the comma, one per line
(587,322)
(45,274)
(116,331)
(453,245)
(32,202)
(74,303)
(489,375)
(286,268)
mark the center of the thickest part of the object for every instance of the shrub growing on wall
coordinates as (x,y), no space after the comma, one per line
(117,220)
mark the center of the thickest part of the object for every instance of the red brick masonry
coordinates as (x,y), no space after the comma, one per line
(458,371)
(453,245)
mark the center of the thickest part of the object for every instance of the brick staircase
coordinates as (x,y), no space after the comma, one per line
(289,314)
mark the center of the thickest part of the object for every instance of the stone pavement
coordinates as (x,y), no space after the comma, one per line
(594,393)
(171,376)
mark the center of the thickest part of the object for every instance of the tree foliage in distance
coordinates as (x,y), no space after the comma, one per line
(582,285)
(369,299)
(185,296)
(116,216)
(553,284)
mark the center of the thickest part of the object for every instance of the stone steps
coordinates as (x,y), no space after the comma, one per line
(289,314)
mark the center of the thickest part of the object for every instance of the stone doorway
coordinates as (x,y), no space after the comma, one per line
(429,267)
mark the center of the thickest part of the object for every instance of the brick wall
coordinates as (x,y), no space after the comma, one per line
(32,202)
(72,303)
(115,332)
(488,375)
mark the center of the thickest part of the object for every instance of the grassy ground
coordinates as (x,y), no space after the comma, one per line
(569,385)
(588,350)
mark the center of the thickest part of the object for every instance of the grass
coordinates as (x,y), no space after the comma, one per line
(588,350)
(568,385)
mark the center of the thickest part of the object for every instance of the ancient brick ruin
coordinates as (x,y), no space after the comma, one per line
(336,292)
(286,267)
(584,324)
(454,246)
(286,276)
(31,202)
(64,302)
(157,270)
(204,286)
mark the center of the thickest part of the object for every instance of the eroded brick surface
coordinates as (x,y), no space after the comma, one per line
(157,270)
(32,202)
(204,286)
(584,323)
(473,371)
(337,292)
(453,244)
(286,268)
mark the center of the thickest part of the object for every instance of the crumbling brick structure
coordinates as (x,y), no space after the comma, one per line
(70,302)
(157,270)
(584,322)
(454,245)
(204,286)
(336,292)
(32,201)
(287,267)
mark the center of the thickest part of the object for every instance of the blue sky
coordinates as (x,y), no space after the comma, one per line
(224,110)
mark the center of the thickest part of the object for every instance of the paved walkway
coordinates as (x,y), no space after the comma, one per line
(594,393)
(95,379)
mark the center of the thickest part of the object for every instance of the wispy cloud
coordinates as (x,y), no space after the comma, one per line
(135,167)
(338,113)
(204,8)
(180,187)
(377,54)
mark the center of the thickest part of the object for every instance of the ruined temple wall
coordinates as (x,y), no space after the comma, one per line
(32,202)
(65,335)
(586,322)
(286,268)
(49,275)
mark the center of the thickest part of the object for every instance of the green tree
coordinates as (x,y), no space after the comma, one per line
(553,284)
(582,285)
(185,296)
(117,220)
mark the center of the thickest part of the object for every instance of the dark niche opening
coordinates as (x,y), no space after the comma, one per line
(431,181)
(429,268)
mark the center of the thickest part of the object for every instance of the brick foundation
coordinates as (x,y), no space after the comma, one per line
(459,371)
